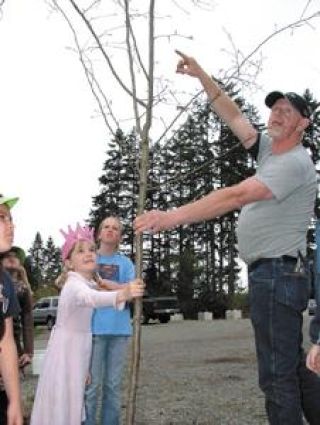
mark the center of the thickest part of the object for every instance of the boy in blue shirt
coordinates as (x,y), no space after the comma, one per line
(111,329)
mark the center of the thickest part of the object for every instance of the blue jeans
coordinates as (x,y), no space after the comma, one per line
(278,296)
(108,356)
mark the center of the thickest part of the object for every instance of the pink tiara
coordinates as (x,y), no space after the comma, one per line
(72,236)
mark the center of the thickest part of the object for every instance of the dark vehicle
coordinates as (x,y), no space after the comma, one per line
(45,311)
(160,308)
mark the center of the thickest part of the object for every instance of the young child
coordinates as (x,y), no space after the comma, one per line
(12,261)
(60,392)
(10,403)
(111,329)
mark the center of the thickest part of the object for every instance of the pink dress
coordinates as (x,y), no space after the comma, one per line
(60,391)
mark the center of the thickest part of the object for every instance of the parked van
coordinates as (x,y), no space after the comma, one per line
(45,311)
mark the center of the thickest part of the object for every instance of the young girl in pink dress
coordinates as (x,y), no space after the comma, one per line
(60,392)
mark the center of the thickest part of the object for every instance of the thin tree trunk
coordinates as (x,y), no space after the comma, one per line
(143,181)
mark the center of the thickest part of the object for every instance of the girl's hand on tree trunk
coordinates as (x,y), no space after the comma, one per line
(134,289)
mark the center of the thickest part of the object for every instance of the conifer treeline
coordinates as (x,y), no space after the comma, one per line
(199,262)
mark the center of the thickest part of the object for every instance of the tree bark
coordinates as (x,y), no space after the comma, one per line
(143,182)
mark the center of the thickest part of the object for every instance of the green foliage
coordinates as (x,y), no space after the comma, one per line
(197,262)
(43,263)
(240,301)
(35,261)
(214,301)
(187,275)
(52,261)
(311,141)
(119,186)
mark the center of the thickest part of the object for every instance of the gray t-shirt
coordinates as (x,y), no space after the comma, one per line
(278,226)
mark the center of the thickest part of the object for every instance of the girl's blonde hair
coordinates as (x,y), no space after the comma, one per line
(62,278)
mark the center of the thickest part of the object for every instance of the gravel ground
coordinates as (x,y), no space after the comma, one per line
(199,373)
(195,373)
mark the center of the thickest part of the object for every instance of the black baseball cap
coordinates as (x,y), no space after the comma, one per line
(298,102)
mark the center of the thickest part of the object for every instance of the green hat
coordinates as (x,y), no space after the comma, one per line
(9,202)
(19,252)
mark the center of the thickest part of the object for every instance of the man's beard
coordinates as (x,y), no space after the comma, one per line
(274,132)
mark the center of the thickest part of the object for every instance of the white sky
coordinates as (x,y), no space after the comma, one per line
(52,147)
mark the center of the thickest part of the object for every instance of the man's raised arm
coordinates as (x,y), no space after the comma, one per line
(221,103)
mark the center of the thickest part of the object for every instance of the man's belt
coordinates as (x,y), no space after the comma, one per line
(284,258)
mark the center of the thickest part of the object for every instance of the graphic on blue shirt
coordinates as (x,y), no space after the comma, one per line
(108,320)
(109,271)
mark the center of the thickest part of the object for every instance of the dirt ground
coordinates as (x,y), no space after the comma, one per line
(194,373)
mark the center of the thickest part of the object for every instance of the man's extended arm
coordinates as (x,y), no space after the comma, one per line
(221,103)
(214,204)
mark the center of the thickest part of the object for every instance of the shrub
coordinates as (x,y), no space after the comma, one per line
(240,301)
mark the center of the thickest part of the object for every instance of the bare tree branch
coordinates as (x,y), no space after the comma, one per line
(105,55)
(240,64)
(201,4)
(89,75)
(106,101)
(91,6)
(132,73)
(135,44)
(293,25)
(144,119)
(151,68)
(1,11)
(305,9)
(138,52)
(181,177)
(143,180)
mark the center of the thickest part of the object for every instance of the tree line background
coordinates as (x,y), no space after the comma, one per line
(198,263)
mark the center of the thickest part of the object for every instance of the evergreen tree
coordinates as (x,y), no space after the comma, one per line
(187,275)
(43,263)
(118,183)
(107,202)
(202,156)
(36,261)
(232,165)
(52,262)
(205,155)
(311,141)
(311,138)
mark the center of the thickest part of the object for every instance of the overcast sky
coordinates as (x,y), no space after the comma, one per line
(53,147)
